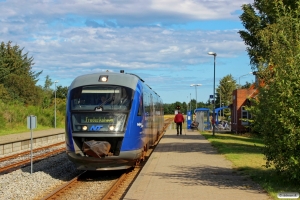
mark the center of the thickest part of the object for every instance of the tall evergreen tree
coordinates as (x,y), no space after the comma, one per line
(224,91)
(16,74)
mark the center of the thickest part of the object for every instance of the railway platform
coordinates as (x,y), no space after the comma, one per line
(189,167)
(13,143)
(26,135)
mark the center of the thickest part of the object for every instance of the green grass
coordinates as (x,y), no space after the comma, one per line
(22,129)
(245,152)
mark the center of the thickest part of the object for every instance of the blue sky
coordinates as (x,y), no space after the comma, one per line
(165,42)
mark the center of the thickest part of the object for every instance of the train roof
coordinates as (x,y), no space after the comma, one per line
(124,79)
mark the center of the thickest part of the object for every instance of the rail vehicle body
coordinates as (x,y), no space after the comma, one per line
(111,135)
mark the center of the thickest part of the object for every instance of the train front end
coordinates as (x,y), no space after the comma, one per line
(99,134)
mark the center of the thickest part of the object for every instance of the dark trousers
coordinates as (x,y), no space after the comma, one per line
(179,127)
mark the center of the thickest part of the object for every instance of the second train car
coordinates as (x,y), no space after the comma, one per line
(111,120)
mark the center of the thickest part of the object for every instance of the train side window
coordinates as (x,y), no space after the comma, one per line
(140,112)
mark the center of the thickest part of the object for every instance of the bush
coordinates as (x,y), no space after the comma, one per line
(14,115)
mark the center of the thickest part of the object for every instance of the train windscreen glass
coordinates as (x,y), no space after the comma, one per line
(106,97)
(100,108)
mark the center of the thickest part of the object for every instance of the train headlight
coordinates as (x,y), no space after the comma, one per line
(111,127)
(84,128)
(103,78)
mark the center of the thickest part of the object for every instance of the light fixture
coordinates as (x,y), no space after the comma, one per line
(195,85)
(55,103)
(103,78)
(111,127)
(214,105)
(84,128)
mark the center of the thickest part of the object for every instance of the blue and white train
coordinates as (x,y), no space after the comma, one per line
(114,133)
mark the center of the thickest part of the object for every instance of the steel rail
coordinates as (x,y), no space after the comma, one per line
(16,165)
(56,193)
(28,152)
(110,193)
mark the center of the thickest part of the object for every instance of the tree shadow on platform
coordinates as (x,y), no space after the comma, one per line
(227,178)
(220,177)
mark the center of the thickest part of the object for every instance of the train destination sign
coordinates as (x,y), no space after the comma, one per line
(98,119)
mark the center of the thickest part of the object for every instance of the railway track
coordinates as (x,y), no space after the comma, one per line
(16,161)
(113,186)
(119,189)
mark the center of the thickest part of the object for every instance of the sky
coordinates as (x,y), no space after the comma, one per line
(165,42)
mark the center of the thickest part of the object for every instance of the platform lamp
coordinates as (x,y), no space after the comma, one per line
(214,105)
(242,76)
(190,102)
(236,107)
(55,103)
(192,85)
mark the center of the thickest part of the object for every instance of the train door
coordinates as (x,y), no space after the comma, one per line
(147,121)
(152,120)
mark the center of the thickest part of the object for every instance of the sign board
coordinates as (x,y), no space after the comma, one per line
(211,96)
(31,122)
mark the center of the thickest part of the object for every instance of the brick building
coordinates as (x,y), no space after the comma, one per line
(239,101)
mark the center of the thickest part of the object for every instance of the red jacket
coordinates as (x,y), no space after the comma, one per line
(179,118)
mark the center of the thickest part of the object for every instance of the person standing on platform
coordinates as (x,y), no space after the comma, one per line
(179,120)
(213,122)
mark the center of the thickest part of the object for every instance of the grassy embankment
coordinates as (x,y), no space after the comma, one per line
(22,129)
(245,152)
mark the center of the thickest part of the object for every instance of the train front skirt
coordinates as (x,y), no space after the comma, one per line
(124,160)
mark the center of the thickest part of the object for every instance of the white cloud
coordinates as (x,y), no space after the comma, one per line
(69,38)
(170,49)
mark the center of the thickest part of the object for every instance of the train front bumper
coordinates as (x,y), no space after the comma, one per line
(125,160)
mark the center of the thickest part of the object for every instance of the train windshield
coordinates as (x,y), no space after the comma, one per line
(101,98)
(100,108)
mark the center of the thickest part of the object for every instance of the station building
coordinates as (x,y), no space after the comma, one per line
(241,99)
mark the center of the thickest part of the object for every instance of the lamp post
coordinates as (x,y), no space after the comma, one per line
(236,106)
(242,76)
(190,103)
(55,103)
(187,105)
(223,110)
(214,107)
(220,100)
(196,91)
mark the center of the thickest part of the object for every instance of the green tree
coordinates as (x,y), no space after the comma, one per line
(48,83)
(47,92)
(246,85)
(256,17)
(61,92)
(16,74)
(166,109)
(224,91)
(193,104)
(277,111)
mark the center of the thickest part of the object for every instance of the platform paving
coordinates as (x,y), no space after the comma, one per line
(27,135)
(189,167)
(14,143)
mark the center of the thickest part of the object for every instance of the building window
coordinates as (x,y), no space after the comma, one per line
(245,115)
